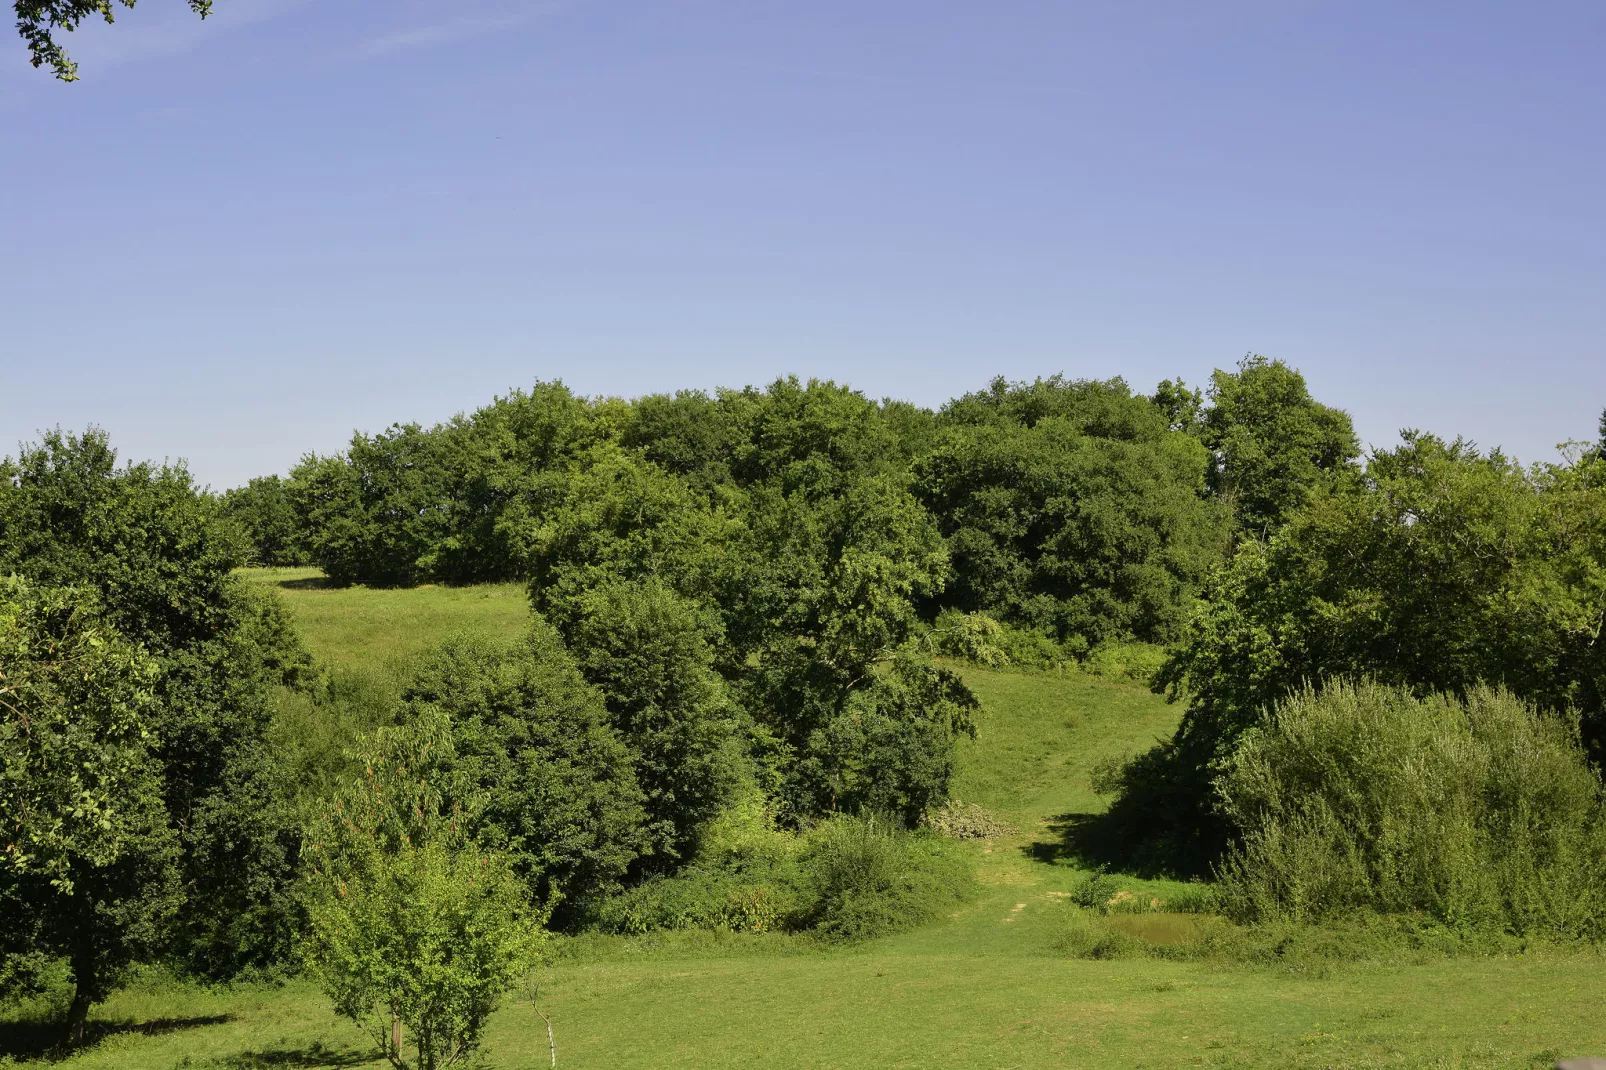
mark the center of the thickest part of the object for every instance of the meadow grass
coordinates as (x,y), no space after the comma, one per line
(983,987)
(364,628)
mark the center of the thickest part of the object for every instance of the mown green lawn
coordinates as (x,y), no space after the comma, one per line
(984,988)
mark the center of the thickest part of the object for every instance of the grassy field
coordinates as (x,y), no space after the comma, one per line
(984,988)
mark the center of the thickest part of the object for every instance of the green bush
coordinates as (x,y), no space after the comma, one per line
(746,877)
(1478,813)
(1139,663)
(847,879)
(868,878)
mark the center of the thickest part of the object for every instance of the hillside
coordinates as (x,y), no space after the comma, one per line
(984,988)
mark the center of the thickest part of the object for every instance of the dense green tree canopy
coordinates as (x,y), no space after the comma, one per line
(90,871)
(1080,536)
(266,512)
(159,559)
(651,652)
(1270,441)
(1438,570)
(532,738)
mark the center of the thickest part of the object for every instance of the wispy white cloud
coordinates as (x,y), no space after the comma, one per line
(454,30)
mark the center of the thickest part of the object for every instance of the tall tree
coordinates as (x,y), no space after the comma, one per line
(90,871)
(159,558)
(1271,441)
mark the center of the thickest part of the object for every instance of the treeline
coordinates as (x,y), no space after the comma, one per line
(1079,510)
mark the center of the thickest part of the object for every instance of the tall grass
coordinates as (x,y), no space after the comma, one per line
(1477,812)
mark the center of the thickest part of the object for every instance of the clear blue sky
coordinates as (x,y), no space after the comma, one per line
(238,241)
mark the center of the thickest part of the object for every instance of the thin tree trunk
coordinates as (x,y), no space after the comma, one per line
(83,997)
(395,1034)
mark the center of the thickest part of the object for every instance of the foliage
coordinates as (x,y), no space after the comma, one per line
(648,650)
(561,799)
(1479,813)
(266,511)
(870,879)
(374,513)
(611,517)
(90,868)
(411,928)
(37,21)
(1439,570)
(1270,441)
(745,877)
(159,558)
(885,745)
(848,879)
(1085,520)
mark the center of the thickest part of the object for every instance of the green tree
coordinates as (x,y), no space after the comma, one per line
(159,558)
(649,651)
(37,21)
(90,871)
(265,510)
(821,604)
(1270,441)
(612,517)
(1439,570)
(412,930)
(375,512)
(1085,538)
(532,738)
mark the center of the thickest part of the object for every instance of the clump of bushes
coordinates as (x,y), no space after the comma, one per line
(869,878)
(979,638)
(1478,813)
(847,879)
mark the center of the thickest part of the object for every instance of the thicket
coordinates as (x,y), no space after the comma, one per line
(1479,813)
(849,878)
(1436,569)
(132,566)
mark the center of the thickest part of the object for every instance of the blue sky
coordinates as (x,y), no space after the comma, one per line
(238,241)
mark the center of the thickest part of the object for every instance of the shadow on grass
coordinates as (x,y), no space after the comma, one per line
(1069,847)
(305,583)
(1106,840)
(25,1041)
(315,1055)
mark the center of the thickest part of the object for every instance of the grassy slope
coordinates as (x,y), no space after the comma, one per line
(983,989)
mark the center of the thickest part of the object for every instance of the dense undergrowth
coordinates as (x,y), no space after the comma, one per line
(846,879)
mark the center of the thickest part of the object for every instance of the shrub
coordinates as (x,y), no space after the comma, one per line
(409,924)
(745,877)
(1138,663)
(1479,813)
(847,879)
(870,879)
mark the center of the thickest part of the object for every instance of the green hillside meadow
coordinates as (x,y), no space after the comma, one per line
(983,988)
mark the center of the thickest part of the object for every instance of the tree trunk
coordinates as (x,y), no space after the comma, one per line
(84,991)
(395,1034)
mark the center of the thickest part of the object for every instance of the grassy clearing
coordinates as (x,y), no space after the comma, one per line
(363,628)
(984,987)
